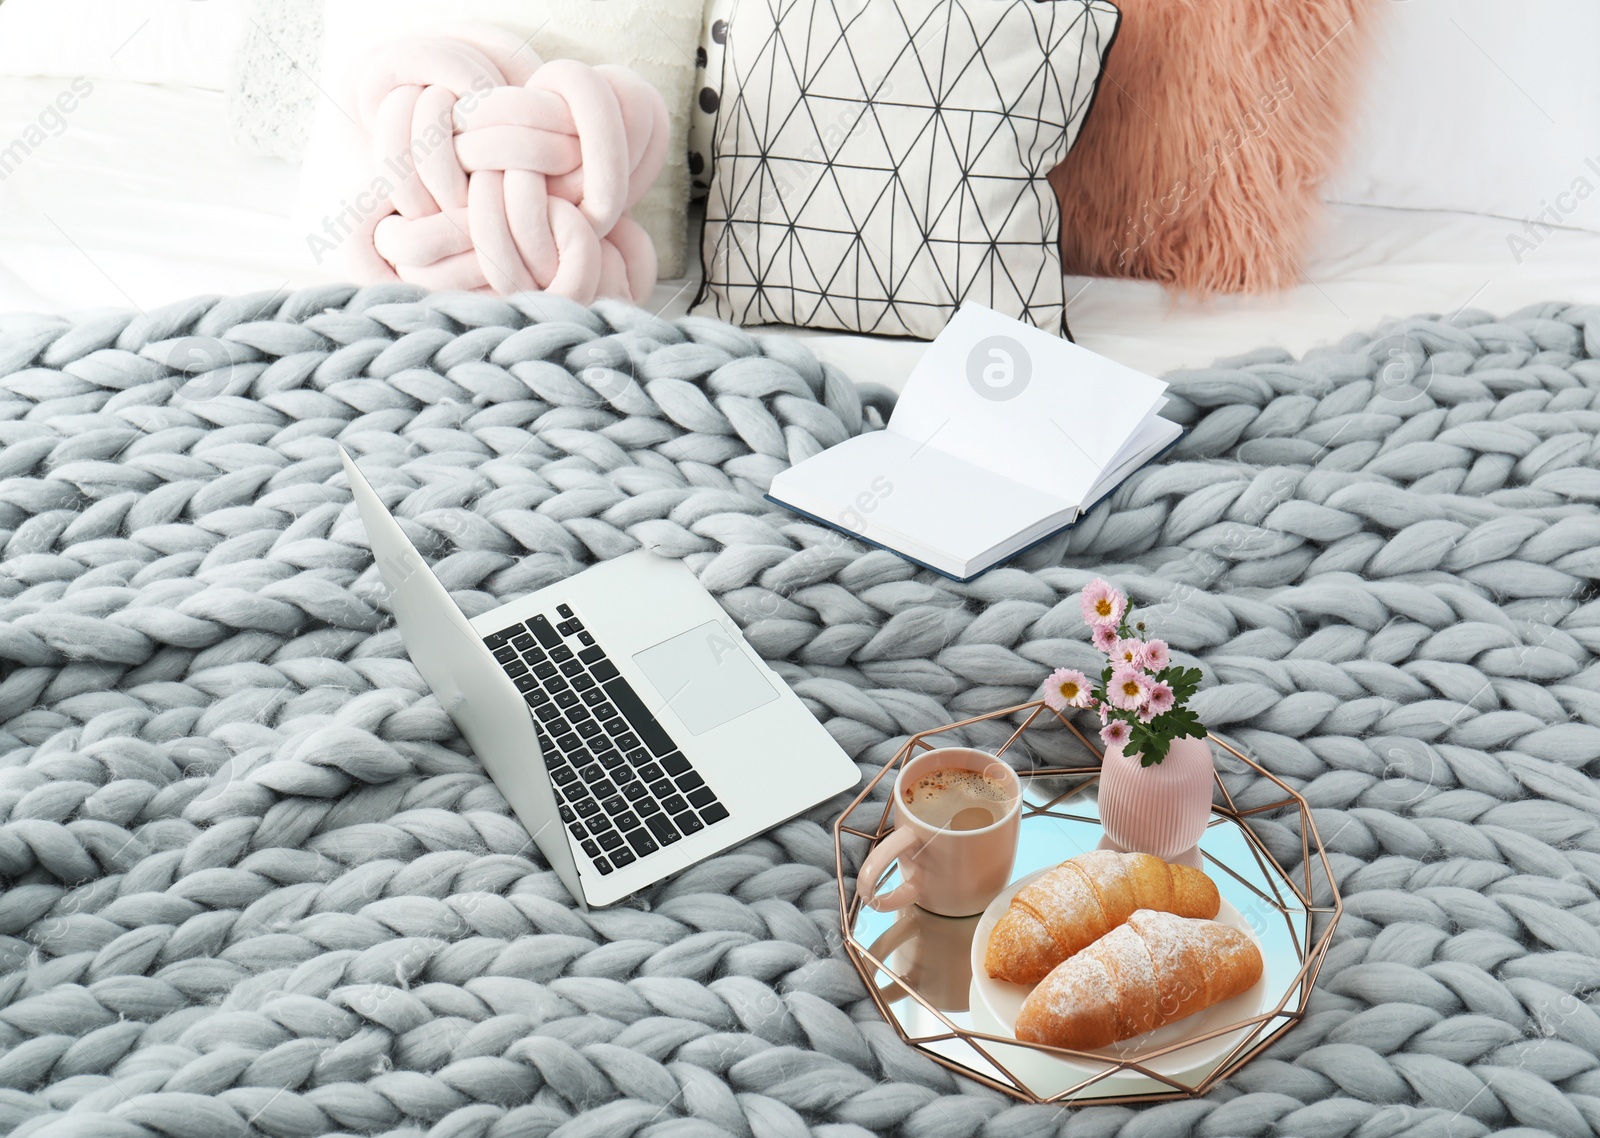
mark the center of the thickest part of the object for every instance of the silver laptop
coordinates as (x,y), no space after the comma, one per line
(621,713)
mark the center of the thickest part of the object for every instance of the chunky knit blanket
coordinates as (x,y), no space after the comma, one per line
(256,885)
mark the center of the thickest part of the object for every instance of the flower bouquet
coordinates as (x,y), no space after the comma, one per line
(1141,698)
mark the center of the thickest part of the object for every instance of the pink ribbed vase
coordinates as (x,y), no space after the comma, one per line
(1161,809)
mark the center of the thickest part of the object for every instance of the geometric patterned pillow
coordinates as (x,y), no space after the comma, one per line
(878,162)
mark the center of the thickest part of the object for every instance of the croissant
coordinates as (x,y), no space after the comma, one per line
(1081,900)
(1155,969)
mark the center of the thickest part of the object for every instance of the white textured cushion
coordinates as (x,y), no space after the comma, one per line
(1484,107)
(880,162)
(142,41)
(657,38)
(272,91)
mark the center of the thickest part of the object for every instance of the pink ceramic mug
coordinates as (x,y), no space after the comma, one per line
(951,872)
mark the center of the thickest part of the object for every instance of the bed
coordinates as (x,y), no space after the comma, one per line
(355,939)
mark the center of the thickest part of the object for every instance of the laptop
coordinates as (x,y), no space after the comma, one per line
(621,712)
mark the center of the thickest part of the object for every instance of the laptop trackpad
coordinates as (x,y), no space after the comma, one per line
(705,676)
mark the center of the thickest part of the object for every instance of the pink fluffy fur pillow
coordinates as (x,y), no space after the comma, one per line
(1215,123)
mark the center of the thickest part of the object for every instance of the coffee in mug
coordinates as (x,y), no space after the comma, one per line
(956,818)
(953,798)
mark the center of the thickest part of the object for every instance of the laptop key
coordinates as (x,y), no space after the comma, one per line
(561,653)
(579,830)
(543,671)
(635,790)
(613,805)
(586,807)
(674,804)
(526,684)
(571,668)
(626,821)
(533,654)
(585,638)
(602,864)
(594,696)
(563,774)
(616,725)
(610,840)
(604,670)
(567,815)
(564,611)
(652,773)
(540,627)
(591,773)
(547,712)
(566,698)
(634,710)
(522,641)
(702,796)
(622,856)
(647,806)
(642,842)
(592,655)
(591,848)
(690,781)
(675,763)
(505,655)
(569,628)
(613,761)
(639,758)
(605,712)
(496,639)
(688,823)
(583,683)
(557,726)
(516,668)
(555,685)
(716,812)
(627,740)
(604,788)
(661,787)
(666,833)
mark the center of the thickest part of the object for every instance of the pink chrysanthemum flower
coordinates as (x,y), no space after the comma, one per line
(1103,604)
(1066,687)
(1129,689)
(1156,655)
(1160,701)
(1114,734)
(1127,653)
(1104,637)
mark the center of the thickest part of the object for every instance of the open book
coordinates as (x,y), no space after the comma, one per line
(1003,435)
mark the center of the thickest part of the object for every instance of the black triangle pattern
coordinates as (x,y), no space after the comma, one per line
(878,162)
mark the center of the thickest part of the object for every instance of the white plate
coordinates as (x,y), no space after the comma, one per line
(997,1002)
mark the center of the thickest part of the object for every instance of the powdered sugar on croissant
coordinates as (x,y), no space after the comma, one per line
(1142,975)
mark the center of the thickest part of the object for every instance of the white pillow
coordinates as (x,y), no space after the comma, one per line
(657,38)
(1484,107)
(143,41)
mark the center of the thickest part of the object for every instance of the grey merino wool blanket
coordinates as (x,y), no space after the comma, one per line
(255,884)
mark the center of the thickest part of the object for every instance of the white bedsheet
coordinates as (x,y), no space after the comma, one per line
(143,200)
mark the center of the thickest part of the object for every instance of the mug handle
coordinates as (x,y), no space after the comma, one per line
(877,864)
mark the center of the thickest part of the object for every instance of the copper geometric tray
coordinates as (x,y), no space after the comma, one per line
(916,966)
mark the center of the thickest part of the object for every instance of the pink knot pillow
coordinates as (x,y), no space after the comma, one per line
(488,168)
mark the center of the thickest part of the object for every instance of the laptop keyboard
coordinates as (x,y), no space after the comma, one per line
(624,788)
